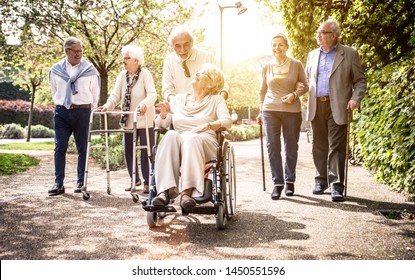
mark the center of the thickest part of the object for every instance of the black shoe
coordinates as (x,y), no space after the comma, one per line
(276,193)
(78,188)
(56,189)
(337,196)
(319,189)
(289,189)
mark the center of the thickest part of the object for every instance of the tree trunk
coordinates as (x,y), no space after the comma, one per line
(29,122)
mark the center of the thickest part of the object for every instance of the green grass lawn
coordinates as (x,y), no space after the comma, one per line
(40,146)
(14,163)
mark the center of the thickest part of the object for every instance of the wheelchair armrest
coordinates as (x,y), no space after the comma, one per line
(161,130)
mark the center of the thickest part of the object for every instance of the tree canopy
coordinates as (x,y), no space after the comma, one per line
(104,26)
(380,29)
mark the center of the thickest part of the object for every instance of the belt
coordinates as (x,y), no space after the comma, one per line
(82,106)
(323,98)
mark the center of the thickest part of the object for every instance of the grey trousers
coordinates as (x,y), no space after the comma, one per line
(329,148)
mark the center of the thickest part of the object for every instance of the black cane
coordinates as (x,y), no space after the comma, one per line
(347,152)
(262,156)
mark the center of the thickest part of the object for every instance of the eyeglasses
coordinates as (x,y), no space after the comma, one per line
(203,72)
(75,51)
(323,32)
(186,69)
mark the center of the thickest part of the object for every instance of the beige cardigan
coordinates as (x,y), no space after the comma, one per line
(143,92)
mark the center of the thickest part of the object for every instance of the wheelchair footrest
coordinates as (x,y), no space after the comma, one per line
(204,210)
(152,208)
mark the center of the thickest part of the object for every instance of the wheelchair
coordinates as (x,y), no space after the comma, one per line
(219,197)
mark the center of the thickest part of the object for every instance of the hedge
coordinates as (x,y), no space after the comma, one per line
(385,129)
(17,111)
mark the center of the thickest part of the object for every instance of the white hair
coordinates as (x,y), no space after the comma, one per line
(134,51)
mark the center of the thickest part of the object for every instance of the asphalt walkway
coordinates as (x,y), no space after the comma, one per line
(302,227)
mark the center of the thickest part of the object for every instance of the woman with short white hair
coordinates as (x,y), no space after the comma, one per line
(134,88)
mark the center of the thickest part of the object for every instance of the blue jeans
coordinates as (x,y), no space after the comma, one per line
(128,152)
(290,124)
(66,122)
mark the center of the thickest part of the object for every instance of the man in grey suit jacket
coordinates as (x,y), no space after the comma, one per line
(336,85)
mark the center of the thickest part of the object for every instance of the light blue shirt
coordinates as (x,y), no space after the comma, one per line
(325,64)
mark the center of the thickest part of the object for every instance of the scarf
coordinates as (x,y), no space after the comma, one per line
(85,69)
(127,98)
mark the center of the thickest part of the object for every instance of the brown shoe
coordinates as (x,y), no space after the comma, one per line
(146,189)
(138,183)
(162,199)
(187,203)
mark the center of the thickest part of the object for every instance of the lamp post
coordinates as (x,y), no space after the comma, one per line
(241,10)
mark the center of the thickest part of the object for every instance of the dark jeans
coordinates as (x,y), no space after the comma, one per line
(290,125)
(128,152)
(66,122)
(329,148)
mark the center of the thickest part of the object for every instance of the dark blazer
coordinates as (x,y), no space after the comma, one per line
(347,81)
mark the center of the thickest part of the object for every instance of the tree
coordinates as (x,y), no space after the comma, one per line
(380,29)
(243,79)
(31,61)
(104,26)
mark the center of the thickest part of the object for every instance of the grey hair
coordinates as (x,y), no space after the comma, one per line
(216,75)
(135,52)
(334,26)
(178,31)
(71,41)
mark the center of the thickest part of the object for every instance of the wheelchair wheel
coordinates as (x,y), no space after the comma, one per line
(221,217)
(152,219)
(228,182)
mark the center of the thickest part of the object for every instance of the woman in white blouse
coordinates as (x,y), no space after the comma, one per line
(134,88)
(196,116)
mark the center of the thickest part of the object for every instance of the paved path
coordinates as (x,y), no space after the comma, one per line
(302,227)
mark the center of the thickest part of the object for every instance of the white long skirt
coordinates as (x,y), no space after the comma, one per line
(183,154)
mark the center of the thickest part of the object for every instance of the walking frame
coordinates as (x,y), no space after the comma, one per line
(106,131)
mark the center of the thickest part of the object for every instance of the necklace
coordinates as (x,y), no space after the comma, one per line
(285,61)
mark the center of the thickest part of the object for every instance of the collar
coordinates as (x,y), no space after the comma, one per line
(70,66)
(192,56)
(333,49)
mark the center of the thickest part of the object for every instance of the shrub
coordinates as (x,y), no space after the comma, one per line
(97,152)
(17,111)
(385,131)
(40,131)
(243,132)
(12,131)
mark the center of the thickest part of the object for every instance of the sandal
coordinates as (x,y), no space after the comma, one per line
(187,202)
(162,199)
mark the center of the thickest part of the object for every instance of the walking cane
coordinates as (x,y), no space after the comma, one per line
(262,156)
(347,151)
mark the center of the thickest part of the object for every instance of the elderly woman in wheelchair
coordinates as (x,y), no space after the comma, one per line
(196,116)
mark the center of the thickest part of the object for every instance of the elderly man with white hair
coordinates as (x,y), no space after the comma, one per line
(181,65)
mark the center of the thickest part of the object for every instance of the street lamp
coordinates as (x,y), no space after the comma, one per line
(241,10)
